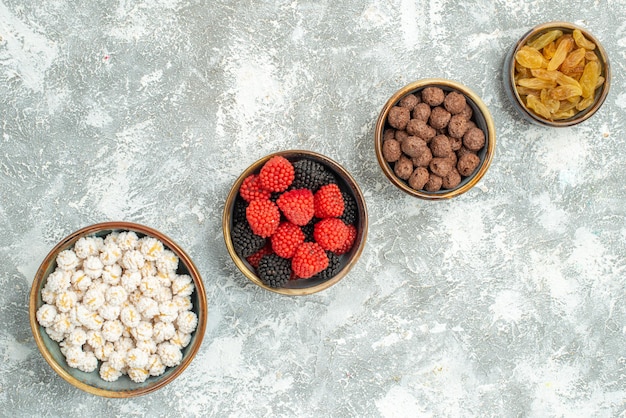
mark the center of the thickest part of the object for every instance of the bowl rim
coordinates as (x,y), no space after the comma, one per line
(359,242)
(121,226)
(490,138)
(578,117)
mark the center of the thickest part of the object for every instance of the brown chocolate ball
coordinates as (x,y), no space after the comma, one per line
(403,167)
(467,164)
(421,111)
(420,128)
(440,166)
(439,117)
(457,126)
(474,139)
(418,178)
(452,179)
(409,101)
(398,117)
(440,146)
(462,151)
(401,136)
(413,146)
(391,150)
(423,159)
(389,133)
(434,183)
(467,112)
(455,143)
(452,157)
(470,124)
(433,96)
(454,102)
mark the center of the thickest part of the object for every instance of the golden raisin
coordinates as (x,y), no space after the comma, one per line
(564,47)
(573,59)
(563,80)
(581,41)
(565,92)
(585,103)
(530,57)
(545,39)
(536,83)
(548,50)
(589,78)
(539,108)
(591,56)
(545,74)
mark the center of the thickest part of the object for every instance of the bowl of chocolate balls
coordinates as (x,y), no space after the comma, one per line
(435,139)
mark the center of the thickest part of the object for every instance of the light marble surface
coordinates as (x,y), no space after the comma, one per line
(506,301)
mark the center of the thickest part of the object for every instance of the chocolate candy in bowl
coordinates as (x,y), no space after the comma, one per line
(118,309)
(557,75)
(295,222)
(434,139)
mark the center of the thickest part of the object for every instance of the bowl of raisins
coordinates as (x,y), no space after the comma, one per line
(557,75)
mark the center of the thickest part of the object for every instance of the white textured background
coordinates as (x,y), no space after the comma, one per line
(507,301)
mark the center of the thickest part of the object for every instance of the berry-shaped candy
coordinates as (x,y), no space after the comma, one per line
(276,174)
(287,239)
(308,260)
(251,189)
(349,215)
(297,206)
(349,242)
(328,202)
(274,271)
(311,175)
(256,257)
(263,217)
(332,269)
(245,241)
(330,233)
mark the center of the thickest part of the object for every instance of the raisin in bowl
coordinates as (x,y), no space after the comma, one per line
(434,139)
(557,75)
(295,222)
(74,320)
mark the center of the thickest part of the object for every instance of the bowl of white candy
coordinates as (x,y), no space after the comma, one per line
(118,309)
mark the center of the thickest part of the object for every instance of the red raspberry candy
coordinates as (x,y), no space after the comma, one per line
(330,233)
(297,206)
(328,202)
(263,217)
(347,245)
(256,257)
(277,174)
(286,239)
(251,189)
(308,260)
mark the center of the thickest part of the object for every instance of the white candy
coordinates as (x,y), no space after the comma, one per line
(48,296)
(183,303)
(67,260)
(74,356)
(149,346)
(54,334)
(151,248)
(124,344)
(58,281)
(93,299)
(130,280)
(182,285)
(117,359)
(168,311)
(167,261)
(111,238)
(80,280)
(148,307)
(143,331)
(180,339)
(109,373)
(155,365)
(92,266)
(77,337)
(138,375)
(109,312)
(66,300)
(46,315)
(85,247)
(148,269)
(163,295)
(163,331)
(95,339)
(89,363)
(133,260)
(111,274)
(150,286)
(110,254)
(187,322)
(62,324)
(137,358)
(170,354)
(103,353)
(116,295)
(127,240)
(112,330)
(130,316)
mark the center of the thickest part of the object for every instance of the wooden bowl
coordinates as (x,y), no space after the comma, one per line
(92,383)
(517,99)
(481,117)
(311,285)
